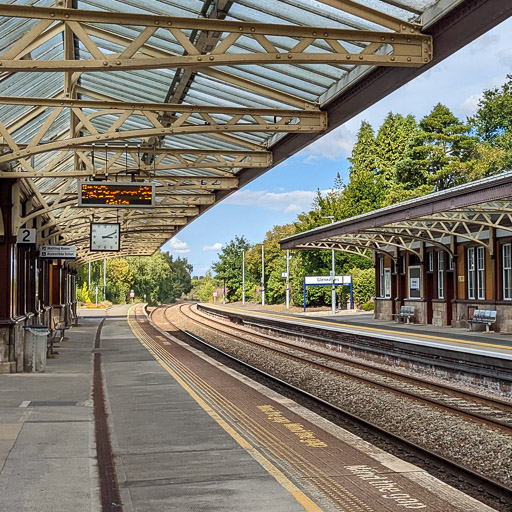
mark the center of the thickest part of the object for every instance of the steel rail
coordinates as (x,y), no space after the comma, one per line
(479,481)
(505,427)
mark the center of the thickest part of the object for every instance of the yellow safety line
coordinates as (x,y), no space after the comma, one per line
(376,329)
(297,494)
(331,488)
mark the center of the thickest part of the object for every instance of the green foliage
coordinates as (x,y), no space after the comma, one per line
(82,294)
(159,277)
(493,119)
(119,280)
(436,152)
(368,306)
(363,285)
(228,269)
(391,143)
(206,286)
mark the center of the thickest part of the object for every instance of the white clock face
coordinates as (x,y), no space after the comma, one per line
(105,237)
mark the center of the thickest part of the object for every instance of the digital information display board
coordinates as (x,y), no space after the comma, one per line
(117,195)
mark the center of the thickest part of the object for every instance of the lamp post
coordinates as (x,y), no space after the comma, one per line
(243,278)
(262,274)
(333,273)
(288,278)
(105,279)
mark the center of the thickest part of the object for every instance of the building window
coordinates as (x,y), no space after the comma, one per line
(440,275)
(471,273)
(480,272)
(381,277)
(387,283)
(507,271)
(431,262)
(450,262)
(414,282)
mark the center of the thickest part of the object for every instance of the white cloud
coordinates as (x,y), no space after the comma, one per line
(295,201)
(334,145)
(215,247)
(178,247)
(470,104)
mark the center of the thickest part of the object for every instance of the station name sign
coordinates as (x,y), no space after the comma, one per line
(58,252)
(319,280)
(115,195)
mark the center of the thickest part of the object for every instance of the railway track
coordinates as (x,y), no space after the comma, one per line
(478,483)
(495,413)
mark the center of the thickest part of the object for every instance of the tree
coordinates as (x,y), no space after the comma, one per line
(493,119)
(362,194)
(392,142)
(437,152)
(228,269)
(119,280)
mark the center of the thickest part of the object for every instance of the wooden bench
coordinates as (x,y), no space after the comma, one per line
(406,313)
(482,316)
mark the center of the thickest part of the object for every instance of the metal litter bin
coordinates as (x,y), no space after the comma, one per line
(36,338)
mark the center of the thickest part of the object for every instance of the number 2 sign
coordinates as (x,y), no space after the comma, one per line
(26,237)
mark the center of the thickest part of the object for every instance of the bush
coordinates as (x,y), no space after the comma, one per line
(368,306)
(363,282)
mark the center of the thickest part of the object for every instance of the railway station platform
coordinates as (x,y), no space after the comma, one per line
(450,338)
(186,434)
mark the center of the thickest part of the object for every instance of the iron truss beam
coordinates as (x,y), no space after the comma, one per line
(404,47)
(114,159)
(192,119)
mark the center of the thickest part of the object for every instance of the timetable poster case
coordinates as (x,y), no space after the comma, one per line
(112,194)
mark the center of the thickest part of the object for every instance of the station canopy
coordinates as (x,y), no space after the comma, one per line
(197,97)
(476,212)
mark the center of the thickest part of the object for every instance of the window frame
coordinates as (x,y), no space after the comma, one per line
(506,271)
(471,271)
(412,268)
(440,275)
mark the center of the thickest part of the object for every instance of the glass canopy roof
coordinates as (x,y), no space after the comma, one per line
(188,94)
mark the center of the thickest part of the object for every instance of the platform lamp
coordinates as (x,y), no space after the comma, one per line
(333,273)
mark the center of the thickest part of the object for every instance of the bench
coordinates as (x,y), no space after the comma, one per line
(56,336)
(482,316)
(406,313)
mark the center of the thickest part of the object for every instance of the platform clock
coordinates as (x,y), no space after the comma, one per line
(105,236)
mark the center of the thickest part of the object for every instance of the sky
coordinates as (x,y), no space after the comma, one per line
(277,197)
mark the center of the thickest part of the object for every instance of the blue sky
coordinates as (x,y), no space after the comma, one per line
(279,195)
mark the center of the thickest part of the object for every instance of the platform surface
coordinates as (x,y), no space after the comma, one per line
(183,442)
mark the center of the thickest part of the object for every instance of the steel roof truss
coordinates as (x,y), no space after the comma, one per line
(410,48)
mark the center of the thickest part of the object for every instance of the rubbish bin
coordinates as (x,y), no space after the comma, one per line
(36,337)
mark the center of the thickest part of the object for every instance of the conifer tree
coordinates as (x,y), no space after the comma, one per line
(391,145)
(361,195)
(438,149)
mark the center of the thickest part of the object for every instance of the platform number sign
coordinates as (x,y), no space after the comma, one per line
(26,237)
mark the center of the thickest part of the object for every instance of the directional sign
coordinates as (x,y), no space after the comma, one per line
(58,252)
(26,237)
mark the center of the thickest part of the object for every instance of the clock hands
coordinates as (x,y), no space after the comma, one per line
(110,236)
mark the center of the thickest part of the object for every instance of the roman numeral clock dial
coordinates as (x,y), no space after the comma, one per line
(105,236)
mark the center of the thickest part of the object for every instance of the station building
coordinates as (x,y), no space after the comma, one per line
(446,254)
(35,290)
